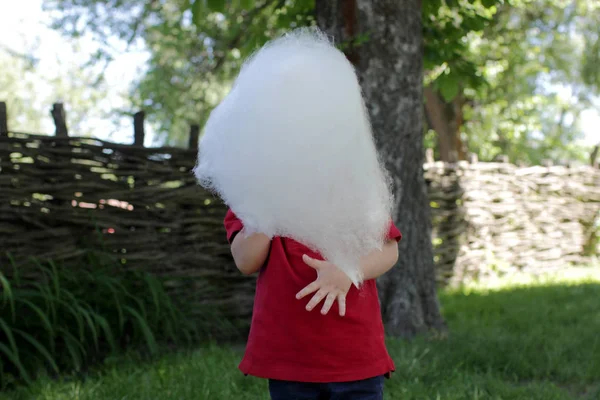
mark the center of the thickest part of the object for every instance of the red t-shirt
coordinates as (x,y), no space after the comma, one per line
(286,342)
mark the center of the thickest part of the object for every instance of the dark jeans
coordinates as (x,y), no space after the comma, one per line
(368,389)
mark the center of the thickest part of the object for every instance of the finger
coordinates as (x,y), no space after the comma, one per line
(313,287)
(342,304)
(311,262)
(317,298)
(328,303)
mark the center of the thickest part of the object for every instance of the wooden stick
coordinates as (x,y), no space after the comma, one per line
(594,156)
(3,119)
(138,128)
(59,117)
(194,134)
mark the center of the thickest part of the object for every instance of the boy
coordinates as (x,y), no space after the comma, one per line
(306,354)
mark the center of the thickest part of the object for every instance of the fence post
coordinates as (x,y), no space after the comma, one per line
(138,128)
(594,156)
(429,159)
(3,119)
(59,117)
(502,158)
(194,134)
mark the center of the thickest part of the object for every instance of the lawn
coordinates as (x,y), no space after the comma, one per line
(528,340)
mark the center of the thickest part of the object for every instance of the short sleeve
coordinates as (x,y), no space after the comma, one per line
(394,233)
(233,225)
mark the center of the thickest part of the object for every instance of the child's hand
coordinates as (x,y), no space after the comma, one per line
(332,284)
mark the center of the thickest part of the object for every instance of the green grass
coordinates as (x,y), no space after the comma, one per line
(539,340)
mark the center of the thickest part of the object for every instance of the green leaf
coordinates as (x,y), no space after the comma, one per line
(489,3)
(41,314)
(431,6)
(72,306)
(90,324)
(55,278)
(16,274)
(146,331)
(7,295)
(112,285)
(448,86)
(246,4)
(74,348)
(216,5)
(197,12)
(8,332)
(14,358)
(140,304)
(40,348)
(46,294)
(155,289)
(103,323)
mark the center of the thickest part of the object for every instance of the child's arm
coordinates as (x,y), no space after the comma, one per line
(250,252)
(378,262)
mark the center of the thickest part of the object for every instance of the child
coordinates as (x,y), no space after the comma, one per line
(304,353)
(290,150)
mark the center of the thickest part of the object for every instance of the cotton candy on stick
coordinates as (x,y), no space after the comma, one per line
(290,151)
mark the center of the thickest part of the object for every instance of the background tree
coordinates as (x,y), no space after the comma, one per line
(486,64)
(533,59)
(449,27)
(390,66)
(29,92)
(196,48)
(16,89)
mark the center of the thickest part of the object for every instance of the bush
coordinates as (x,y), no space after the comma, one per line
(61,318)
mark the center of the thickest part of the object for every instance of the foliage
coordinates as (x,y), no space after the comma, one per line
(29,88)
(519,65)
(16,89)
(509,343)
(60,318)
(196,47)
(535,58)
(448,27)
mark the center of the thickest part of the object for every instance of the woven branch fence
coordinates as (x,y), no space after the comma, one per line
(491,219)
(61,196)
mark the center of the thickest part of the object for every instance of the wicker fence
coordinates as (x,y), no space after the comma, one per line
(62,195)
(496,218)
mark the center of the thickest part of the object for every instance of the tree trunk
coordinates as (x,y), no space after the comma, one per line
(446,120)
(457,121)
(436,113)
(389,65)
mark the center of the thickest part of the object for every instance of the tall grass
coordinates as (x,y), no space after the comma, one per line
(58,318)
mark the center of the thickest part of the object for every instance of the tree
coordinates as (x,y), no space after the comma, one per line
(535,58)
(484,63)
(390,67)
(196,47)
(30,88)
(17,90)
(449,28)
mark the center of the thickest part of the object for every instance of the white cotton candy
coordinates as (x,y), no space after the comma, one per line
(290,151)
